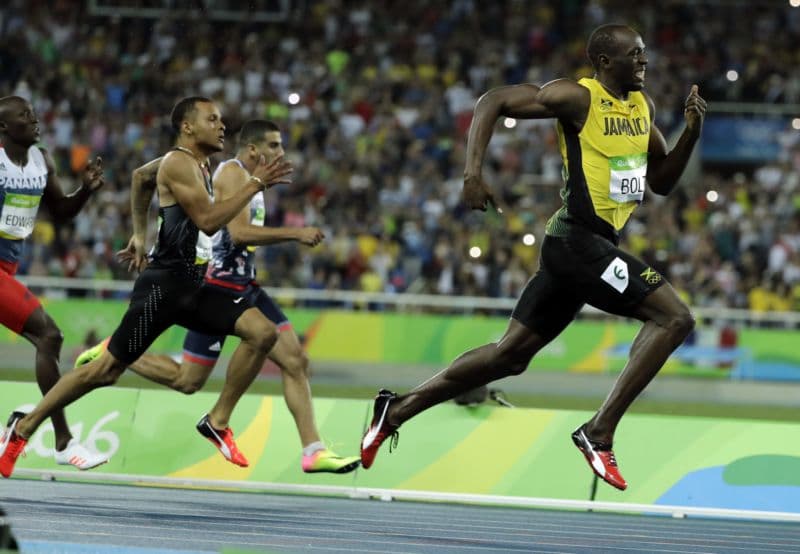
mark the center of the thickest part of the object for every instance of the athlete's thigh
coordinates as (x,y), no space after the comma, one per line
(214,311)
(547,303)
(268,307)
(615,281)
(661,306)
(200,349)
(157,299)
(17,303)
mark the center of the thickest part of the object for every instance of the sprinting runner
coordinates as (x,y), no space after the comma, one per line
(611,148)
(28,178)
(232,269)
(169,290)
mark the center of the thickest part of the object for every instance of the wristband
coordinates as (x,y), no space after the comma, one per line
(257,180)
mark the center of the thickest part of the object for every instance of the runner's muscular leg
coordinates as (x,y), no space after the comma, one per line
(101,372)
(667,323)
(508,356)
(288,354)
(46,337)
(258,336)
(158,368)
(186,377)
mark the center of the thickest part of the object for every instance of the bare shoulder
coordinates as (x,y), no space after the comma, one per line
(151,167)
(568,100)
(561,90)
(177,166)
(228,178)
(230,171)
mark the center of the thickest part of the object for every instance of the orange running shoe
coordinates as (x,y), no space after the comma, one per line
(223,440)
(600,457)
(379,429)
(11,445)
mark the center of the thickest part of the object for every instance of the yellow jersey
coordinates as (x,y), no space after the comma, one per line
(605,164)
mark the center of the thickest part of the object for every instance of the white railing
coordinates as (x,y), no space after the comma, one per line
(55,286)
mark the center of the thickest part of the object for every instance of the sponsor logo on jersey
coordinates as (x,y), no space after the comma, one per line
(650,276)
(616,274)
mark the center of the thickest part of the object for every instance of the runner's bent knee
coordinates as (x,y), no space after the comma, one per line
(51,340)
(682,323)
(188,387)
(509,358)
(295,363)
(258,332)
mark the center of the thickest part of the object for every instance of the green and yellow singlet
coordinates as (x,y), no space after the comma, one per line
(605,164)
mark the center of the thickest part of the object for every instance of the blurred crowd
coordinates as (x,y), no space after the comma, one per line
(375,100)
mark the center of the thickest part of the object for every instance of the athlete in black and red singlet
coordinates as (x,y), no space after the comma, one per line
(232,271)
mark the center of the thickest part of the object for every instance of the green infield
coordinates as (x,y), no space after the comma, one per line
(520,399)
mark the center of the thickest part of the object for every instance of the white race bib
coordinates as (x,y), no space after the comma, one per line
(258,219)
(627,179)
(203,249)
(18,215)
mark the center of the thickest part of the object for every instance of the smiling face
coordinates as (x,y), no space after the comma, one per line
(625,62)
(18,122)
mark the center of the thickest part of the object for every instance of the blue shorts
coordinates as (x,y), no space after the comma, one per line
(205,349)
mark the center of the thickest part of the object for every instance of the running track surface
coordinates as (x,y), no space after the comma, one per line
(68,518)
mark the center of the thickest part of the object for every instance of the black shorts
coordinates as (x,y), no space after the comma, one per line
(582,268)
(204,349)
(160,299)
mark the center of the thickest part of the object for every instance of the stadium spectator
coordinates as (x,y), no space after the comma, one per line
(378,100)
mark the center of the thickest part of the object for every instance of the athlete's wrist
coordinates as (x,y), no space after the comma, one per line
(473,173)
(84,191)
(693,130)
(260,184)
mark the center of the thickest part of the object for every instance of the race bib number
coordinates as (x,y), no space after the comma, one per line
(627,179)
(203,249)
(18,215)
(259,214)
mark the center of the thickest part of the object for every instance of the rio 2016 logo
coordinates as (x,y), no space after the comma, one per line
(100,440)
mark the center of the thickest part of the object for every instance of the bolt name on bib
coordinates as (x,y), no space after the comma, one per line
(627,177)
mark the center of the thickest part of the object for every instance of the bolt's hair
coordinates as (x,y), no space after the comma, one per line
(603,40)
